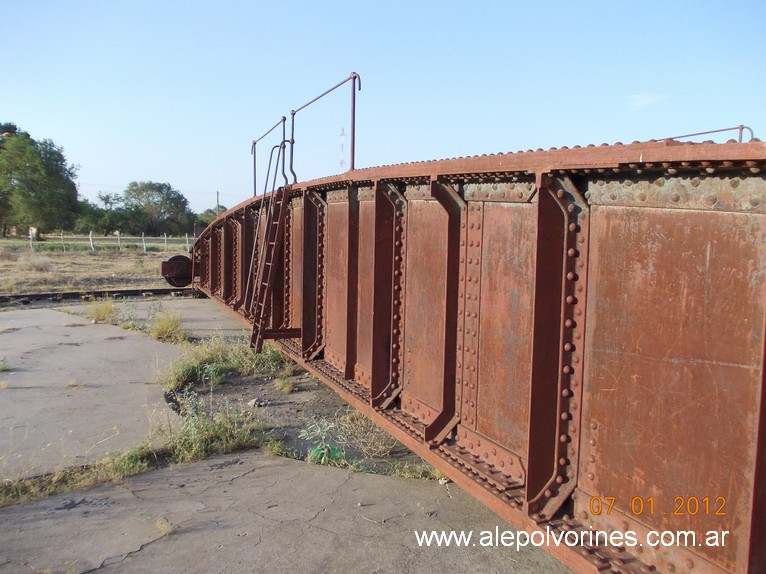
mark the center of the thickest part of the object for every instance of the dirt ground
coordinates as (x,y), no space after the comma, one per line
(22,271)
(286,415)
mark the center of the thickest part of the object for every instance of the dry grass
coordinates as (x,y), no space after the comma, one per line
(421,471)
(164,526)
(23,272)
(277,447)
(352,429)
(32,262)
(7,254)
(284,386)
(103,311)
(166,326)
(209,361)
(201,433)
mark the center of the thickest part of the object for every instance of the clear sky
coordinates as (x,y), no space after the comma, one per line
(175,92)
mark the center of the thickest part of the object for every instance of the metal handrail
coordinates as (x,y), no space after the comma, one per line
(353,78)
(283,121)
(740,128)
(356,85)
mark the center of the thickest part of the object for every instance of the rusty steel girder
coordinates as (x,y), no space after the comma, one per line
(574,336)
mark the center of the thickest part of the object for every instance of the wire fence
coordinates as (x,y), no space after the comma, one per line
(92,242)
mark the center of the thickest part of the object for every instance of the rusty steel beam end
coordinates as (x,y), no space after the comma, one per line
(177,271)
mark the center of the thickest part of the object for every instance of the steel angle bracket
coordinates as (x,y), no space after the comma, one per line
(440,428)
(557,357)
(312,315)
(233,243)
(286,278)
(387,296)
(253,229)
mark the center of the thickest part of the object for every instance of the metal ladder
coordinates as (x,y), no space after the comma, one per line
(265,274)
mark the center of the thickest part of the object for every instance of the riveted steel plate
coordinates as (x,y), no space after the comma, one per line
(674,358)
(694,191)
(505,330)
(425,309)
(337,281)
(550,329)
(366,269)
(296,261)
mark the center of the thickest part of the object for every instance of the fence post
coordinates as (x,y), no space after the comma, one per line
(90,236)
(166,241)
(119,242)
(143,240)
(63,245)
(187,242)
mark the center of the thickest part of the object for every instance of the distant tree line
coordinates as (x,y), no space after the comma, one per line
(37,189)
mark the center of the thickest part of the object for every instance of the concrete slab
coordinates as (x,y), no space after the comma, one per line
(76,390)
(79,390)
(201,318)
(254,513)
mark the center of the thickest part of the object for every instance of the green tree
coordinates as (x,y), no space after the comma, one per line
(206,217)
(162,208)
(21,171)
(89,217)
(112,215)
(36,183)
(7,129)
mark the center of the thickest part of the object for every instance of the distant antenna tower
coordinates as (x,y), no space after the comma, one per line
(342,146)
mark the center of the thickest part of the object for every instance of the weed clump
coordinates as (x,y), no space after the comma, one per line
(103,311)
(420,471)
(202,432)
(37,263)
(276,447)
(210,361)
(353,429)
(166,326)
(285,386)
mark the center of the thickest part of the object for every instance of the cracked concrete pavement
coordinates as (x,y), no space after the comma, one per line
(76,390)
(244,512)
(250,512)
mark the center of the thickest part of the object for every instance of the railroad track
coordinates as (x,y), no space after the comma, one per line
(27,298)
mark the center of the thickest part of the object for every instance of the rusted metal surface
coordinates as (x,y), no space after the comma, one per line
(178,271)
(575,336)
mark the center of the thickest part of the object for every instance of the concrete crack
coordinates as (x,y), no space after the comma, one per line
(112,560)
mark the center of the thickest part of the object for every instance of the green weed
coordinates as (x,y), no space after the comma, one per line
(211,360)
(422,470)
(166,326)
(276,447)
(324,450)
(201,433)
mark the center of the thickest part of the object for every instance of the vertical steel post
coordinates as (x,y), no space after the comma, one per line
(354,78)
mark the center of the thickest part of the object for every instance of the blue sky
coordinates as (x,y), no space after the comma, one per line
(176,91)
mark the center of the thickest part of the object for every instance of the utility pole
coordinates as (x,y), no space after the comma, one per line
(217,204)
